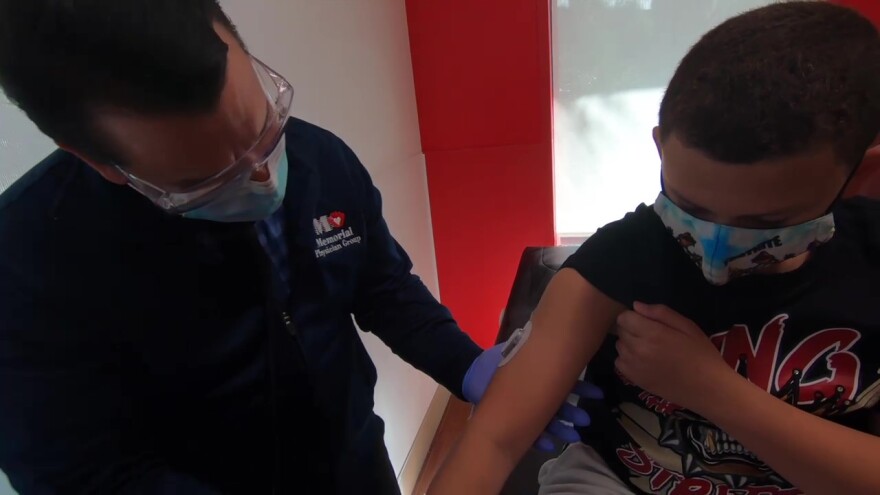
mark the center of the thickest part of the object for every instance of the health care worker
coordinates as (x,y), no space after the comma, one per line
(177,282)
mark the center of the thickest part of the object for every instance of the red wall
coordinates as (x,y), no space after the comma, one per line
(869,8)
(867,179)
(483,87)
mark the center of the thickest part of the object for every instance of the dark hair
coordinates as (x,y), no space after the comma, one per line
(777,81)
(60,61)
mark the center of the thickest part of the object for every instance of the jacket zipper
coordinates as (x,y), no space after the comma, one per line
(289,326)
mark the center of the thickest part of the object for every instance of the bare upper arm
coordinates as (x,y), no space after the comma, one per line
(568,327)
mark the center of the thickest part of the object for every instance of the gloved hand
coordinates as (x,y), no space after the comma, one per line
(477,379)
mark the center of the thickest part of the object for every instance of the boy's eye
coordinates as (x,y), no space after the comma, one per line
(189,183)
(698,212)
(766,223)
(774,221)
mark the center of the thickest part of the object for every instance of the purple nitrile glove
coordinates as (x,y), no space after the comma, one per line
(477,379)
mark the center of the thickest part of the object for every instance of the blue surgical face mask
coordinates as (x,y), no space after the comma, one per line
(247,200)
(724,253)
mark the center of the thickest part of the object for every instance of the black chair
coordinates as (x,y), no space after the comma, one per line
(537,266)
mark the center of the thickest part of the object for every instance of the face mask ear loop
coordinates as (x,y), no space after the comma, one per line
(716,236)
(840,194)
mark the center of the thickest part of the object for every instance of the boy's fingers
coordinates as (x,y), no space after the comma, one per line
(634,324)
(667,316)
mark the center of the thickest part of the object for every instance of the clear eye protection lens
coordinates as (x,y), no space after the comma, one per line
(279,94)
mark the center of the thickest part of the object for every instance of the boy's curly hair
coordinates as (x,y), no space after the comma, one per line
(777,81)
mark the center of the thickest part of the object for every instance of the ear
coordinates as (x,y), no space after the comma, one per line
(657,141)
(108,172)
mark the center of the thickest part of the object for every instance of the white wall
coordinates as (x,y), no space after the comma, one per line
(349,63)
(21,146)
(5,489)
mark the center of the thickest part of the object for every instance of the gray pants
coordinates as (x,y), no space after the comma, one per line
(579,470)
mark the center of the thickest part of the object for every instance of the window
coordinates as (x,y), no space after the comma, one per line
(612,60)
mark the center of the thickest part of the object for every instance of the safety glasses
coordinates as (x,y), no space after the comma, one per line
(280,97)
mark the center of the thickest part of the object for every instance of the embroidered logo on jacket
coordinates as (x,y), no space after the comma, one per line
(332,235)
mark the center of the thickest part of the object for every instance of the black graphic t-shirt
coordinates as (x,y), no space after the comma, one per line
(809,337)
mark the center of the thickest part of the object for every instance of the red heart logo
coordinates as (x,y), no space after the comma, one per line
(337,219)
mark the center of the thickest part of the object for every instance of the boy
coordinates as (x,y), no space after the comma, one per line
(748,250)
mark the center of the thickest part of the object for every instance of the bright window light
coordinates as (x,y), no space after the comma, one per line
(612,60)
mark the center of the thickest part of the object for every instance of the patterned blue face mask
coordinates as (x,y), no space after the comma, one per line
(724,253)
